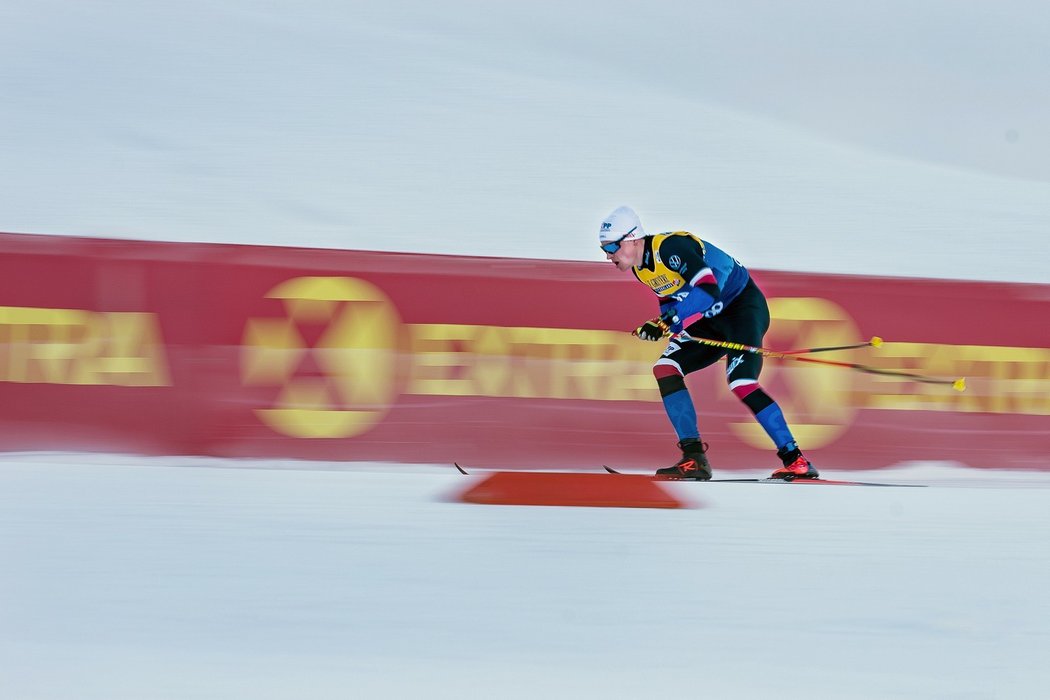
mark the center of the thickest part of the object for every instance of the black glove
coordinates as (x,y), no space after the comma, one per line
(652,330)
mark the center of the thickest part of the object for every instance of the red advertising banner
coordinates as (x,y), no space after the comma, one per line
(249,351)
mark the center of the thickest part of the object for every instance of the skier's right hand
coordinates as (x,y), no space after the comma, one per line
(654,329)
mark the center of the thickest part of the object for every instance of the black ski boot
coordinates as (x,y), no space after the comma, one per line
(692,465)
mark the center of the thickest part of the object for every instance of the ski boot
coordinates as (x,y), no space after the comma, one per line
(796,466)
(692,465)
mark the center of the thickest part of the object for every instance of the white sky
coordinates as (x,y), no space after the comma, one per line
(905,138)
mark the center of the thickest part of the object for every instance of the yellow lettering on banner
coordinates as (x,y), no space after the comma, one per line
(523,362)
(560,363)
(1029,385)
(73,346)
(439,364)
(998,379)
(494,373)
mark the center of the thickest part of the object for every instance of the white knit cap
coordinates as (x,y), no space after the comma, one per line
(621,222)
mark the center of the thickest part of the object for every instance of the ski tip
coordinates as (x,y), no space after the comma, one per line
(959,384)
(610,469)
(461,469)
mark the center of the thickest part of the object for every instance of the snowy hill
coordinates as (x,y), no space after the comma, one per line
(815,136)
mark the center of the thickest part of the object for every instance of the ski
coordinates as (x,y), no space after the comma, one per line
(814,482)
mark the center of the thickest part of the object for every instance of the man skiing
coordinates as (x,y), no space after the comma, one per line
(707,294)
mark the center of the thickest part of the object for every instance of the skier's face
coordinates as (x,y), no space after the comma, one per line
(628,255)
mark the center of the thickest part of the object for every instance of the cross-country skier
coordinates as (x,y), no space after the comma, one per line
(708,294)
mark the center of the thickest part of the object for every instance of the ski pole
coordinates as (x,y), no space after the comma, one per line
(958,384)
(875,342)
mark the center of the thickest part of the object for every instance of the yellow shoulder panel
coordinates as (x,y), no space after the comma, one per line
(663,280)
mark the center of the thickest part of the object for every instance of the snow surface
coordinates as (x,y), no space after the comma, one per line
(202,578)
(902,138)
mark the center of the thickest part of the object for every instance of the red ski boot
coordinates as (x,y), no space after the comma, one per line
(796,466)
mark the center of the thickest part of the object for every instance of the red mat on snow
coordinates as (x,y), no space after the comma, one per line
(571,489)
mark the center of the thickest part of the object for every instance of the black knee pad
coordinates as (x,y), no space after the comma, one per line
(671,384)
(757,400)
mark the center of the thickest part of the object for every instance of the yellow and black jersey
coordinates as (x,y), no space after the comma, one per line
(657,274)
(679,265)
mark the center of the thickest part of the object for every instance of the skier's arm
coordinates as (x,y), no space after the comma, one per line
(685,256)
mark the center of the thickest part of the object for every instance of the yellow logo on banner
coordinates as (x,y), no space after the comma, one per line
(817,400)
(998,379)
(340,384)
(73,346)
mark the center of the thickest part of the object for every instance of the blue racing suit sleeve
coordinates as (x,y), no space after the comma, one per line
(701,292)
(693,307)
